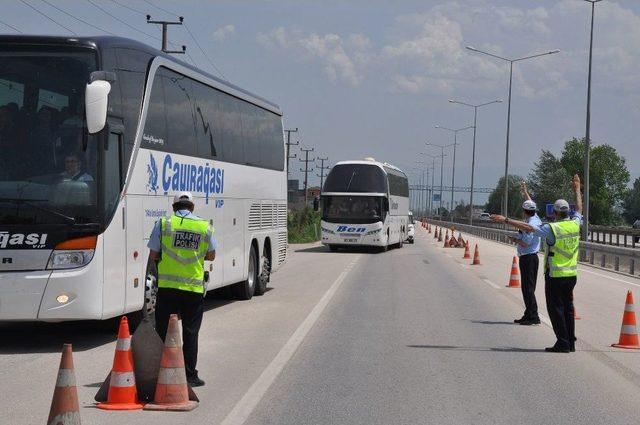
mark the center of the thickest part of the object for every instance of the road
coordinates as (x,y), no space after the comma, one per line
(411,336)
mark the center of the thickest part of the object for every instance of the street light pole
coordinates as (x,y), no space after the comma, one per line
(473,155)
(587,137)
(453,173)
(433,172)
(505,199)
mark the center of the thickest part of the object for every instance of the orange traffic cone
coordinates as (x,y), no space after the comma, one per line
(467,254)
(514,279)
(453,242)
(440,235)
(429,228)
(64,404)
(476,257)
(629,331)
(123,394)
(446,241)
(172,392)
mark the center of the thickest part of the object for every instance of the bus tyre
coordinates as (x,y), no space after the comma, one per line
(245,290)
(263,279)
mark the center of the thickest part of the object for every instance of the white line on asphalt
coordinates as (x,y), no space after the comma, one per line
(243,409)
(464,266)
(491,283)
(609,277)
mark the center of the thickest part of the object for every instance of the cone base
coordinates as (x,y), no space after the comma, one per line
(631,347)
(120,406)
(174,407)
(512,286)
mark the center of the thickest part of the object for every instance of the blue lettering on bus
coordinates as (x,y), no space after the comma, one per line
(351,229)
(177,176)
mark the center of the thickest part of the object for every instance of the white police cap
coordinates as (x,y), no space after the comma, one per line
(561,206)
(183,197)
(529,205)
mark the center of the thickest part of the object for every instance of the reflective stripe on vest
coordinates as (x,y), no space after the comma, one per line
(564,261)
(184,242)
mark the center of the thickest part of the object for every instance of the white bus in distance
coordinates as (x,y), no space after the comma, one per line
(365,203)
(98,134)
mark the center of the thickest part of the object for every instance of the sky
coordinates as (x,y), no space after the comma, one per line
(373,78)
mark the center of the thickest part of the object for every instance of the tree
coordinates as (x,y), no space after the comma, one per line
(608,178)
(549,181)
(494,204)
(632,203)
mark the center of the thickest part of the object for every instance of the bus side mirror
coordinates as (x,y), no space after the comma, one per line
(96,98)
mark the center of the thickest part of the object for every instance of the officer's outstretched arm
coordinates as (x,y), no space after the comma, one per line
(577,193)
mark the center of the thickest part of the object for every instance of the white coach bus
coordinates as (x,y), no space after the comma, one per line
(96,136)
(365,203)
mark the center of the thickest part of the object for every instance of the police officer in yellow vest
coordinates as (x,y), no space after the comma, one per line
(561,265)
(180,244)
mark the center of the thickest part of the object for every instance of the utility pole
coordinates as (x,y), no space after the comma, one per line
(289,144)
(322,168)
(306,161)
(165,24)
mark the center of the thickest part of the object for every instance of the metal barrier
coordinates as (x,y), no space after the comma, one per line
(606,235)
(616,258)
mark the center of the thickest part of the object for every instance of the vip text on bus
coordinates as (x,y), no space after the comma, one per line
(365,203)
(97,135)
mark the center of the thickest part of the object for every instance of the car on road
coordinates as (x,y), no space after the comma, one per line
(485,216)
(411,231)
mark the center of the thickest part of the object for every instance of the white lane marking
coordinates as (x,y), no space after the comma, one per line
(464,266)
(243,409)
(491,283)
(583,269)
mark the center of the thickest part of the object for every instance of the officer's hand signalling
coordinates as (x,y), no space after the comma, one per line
(576,183)
(498,218)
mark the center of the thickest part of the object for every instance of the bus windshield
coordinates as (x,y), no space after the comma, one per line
(48,166)
(356,178)
(353,209)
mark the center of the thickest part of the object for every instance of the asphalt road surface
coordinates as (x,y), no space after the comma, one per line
(411,336)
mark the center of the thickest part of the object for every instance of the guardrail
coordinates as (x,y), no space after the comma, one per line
(607,235)
(619,259)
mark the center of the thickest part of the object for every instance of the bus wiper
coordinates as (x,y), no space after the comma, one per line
(353,174)
(29,202)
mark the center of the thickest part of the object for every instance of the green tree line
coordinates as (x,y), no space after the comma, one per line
(612,201)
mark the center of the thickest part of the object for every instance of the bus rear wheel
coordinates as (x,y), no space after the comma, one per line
(263,279)
(245,290)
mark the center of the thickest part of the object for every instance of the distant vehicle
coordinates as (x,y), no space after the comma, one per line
(133,126)
(410,228)
(485,217)
(365,203)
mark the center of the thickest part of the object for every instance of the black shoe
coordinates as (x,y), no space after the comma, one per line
(556,349)
(520,319)
(529,322)
(194,381)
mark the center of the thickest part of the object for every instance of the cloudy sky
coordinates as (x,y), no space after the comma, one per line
(372,78)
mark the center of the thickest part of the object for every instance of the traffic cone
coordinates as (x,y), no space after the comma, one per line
(467,254)
(446,241)
(172,392)
(123,394)
(64,404)
(629,331)
(429,228)
(440,235)
(476,257)
(453,242)
(576,316)
(514,279)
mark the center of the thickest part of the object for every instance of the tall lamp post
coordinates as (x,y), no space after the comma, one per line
(587,137)
(442,155)
(453,172)
(433,171)
(505,198)
(473,155)
(422,168)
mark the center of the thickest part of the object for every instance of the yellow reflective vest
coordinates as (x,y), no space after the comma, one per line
(184,243)
(562,257)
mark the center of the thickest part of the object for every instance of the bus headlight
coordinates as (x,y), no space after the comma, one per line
(73,253)
(70,259)
(372,232)
(328,231)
